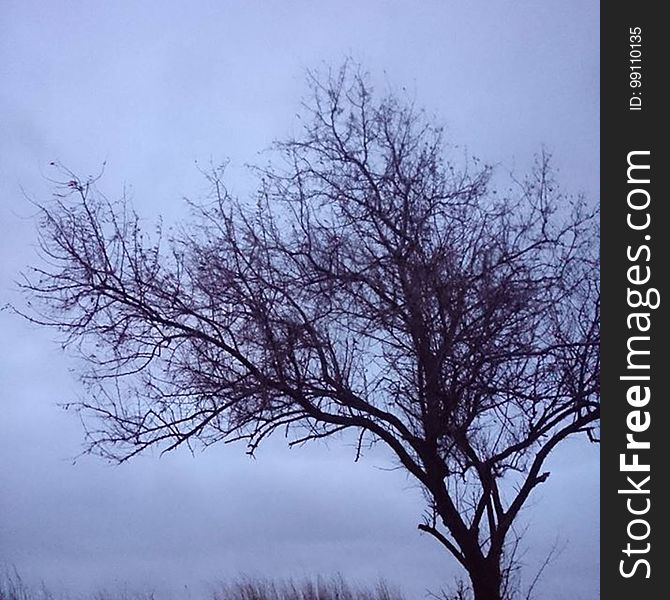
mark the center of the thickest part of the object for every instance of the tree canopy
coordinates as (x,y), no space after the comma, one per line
(371,284)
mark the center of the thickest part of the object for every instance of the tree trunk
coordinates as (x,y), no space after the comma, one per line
(486,581)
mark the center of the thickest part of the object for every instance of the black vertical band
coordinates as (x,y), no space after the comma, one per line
(635,459)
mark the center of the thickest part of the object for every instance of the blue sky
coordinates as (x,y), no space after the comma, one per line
(154,87)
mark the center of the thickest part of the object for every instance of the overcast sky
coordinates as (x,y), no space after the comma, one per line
(153,87)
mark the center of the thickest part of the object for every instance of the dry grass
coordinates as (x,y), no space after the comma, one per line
(334,588)
(13,587)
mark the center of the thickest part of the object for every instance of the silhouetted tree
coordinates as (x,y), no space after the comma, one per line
(371,286)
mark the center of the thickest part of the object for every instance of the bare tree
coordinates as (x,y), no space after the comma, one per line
(372,285)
